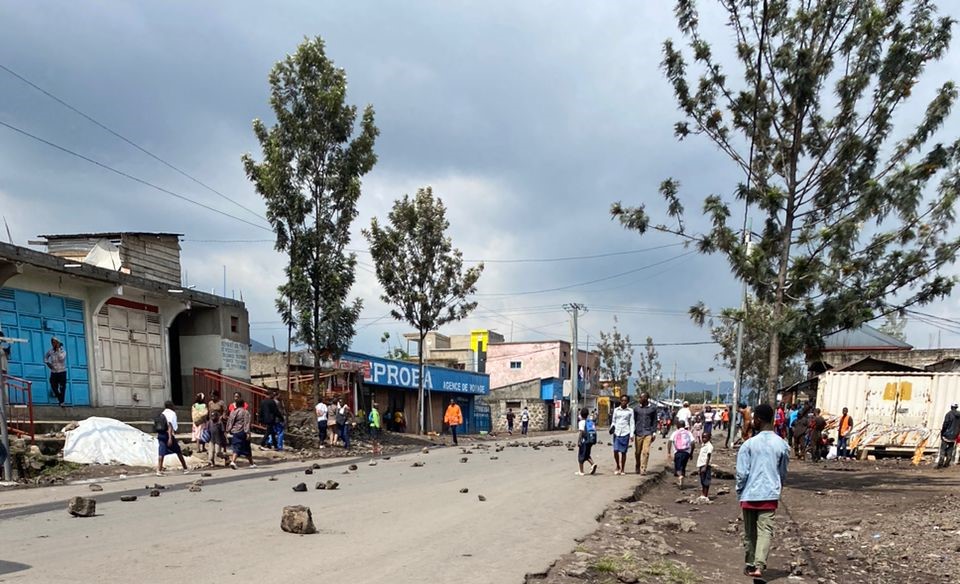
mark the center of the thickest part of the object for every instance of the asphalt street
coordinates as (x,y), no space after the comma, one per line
(387,523)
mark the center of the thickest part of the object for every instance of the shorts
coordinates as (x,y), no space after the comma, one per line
(583,452)
(680,460)
(165,448)
(621,443)
(706,475)
(375,433)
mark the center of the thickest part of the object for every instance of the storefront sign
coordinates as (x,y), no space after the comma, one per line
(377,371)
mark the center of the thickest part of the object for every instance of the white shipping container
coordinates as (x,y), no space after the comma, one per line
(900,409)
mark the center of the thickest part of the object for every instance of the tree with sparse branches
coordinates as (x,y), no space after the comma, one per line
(854,217)
(650,374)
(314,157)
(420,271)
(756,344)
(616,357)
(895,324)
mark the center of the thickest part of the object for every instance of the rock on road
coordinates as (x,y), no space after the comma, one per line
(386,523)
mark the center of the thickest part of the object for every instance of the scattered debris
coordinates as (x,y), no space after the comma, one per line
(82,507)
(309,471)
(128,498)
(316,466)
(332,485)
(464,459)
(272,479)
(321,486)
(464,490)
(372,463)
(297,519)
(155,493)
(95,487)
(481,498)
(352,467)
(417,464)
(300,487)
(494,458)
(206,474)
(195,489)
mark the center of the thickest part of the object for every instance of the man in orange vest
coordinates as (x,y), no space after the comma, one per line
(843,435)
(453,418)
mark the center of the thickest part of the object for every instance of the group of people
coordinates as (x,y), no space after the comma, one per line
(335,420)
(524,420)
(214,421)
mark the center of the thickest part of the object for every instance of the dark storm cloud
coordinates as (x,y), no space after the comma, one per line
(529,118)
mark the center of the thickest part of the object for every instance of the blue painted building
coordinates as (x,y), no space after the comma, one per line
(394,386)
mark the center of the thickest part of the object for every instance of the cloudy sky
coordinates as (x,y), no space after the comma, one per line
(528,118)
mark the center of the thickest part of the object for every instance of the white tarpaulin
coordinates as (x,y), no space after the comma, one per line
(109,441)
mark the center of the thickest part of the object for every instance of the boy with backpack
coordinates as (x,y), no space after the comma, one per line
(681,442)
(587,438)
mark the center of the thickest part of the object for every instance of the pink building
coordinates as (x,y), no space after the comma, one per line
(509,363)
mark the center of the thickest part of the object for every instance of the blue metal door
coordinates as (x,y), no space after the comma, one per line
(481,418)
(38,318)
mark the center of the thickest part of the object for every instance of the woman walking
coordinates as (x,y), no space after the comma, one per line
(588,437)
(199,416)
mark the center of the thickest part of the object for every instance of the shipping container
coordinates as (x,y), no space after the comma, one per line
(890,410)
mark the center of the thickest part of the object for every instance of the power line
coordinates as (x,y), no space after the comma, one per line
(103,126)
(574,258)
(130,176)
(681,344)
(605,278)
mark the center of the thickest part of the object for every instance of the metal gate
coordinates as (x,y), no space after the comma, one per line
(130,338)
(481,418)
(38,318)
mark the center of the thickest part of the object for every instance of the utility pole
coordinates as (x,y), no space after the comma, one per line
(738,369)
(674,391)
(574,310)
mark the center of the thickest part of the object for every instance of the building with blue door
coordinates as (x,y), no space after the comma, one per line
(132,333)
(394,385)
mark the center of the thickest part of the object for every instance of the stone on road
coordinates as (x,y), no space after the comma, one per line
(414,521)
(82,507)
(297,519)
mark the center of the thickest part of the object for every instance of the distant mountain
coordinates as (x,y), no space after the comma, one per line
(703,388)
(258,347)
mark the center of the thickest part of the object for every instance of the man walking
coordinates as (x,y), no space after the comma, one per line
(761,470)
(816,435)
(622,428)
(524,421)
(216,418)
(375,423)
(684,414)
(510,418)
(948,436)
(269,415)
(56,362)
(843,435)
(645,426)
(453,417)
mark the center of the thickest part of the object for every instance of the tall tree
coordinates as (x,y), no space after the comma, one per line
(313,159)
(393,351)
(756,344)
(650,374)
(616,357)
(420,271)
(855,217)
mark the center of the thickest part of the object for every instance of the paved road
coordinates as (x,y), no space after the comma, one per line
(388,523)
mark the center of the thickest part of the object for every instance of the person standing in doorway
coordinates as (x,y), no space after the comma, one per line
(622,428)
(238,426)
(321,411)
(524,421)
(510,418)
(761,471)
(167,439)
(843,435)
(56,362)
(948,436)
(586,439)
(645,426)
(453,417)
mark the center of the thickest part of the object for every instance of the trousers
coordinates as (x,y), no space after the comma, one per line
(757,535)
(642,452)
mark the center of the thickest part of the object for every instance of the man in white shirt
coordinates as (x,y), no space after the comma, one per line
(167,439)
(321,409)
(684,414)
(622,428)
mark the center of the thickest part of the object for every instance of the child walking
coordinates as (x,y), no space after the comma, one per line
(703,466)
(588,437)
(681,442)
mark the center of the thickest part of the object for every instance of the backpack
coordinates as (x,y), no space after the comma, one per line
(682,440)
(160,423)
(590,428)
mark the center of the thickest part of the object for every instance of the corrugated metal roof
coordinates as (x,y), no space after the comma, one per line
(862,338)
(109,235)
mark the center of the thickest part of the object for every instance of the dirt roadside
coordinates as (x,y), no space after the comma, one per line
(874,522)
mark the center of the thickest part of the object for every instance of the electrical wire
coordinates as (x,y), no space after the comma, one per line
(103,126)
(130,176)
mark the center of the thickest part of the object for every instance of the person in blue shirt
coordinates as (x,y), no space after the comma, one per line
(761,471)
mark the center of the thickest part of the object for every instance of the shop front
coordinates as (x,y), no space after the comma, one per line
(394,385)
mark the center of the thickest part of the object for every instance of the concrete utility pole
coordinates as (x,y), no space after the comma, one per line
(574,310)
(738,369)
